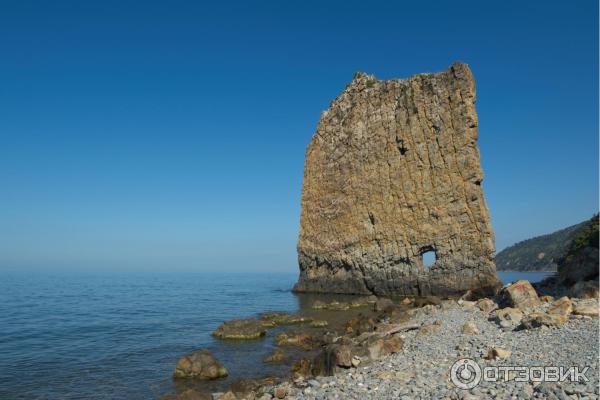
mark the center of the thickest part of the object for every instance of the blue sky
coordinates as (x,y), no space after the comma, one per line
(171,135)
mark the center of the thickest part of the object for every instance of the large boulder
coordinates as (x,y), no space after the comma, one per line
(200,364)
(240,329)
(391,176)
(519,295)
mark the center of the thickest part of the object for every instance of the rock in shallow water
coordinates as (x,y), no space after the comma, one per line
(200,364)
(241,329)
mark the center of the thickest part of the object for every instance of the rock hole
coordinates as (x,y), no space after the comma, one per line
(429,257)
(401,147)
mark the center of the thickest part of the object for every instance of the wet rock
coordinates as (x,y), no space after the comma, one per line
(190,394)
(277,357)
(363,301)
(319,305)
(240,329)
(519,295)
(302,368)
(200,364)
(297,339)
(407,301)
(282,318)
(245,388)
(383,303)
(359,324)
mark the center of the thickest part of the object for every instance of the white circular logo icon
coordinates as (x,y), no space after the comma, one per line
(465,373)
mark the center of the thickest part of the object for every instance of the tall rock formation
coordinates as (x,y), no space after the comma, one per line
(392,173)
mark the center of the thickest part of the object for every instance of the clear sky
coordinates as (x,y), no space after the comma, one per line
(171,135)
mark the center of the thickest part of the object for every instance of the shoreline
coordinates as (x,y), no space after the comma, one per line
(437,335)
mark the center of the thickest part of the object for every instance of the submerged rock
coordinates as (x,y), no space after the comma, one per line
(200,364)
(283,318)
(240,329)
(190,394)
(392,173)
(277,357)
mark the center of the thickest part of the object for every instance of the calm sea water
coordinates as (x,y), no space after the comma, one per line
(119,336)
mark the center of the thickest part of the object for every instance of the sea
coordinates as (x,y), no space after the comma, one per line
(119,335)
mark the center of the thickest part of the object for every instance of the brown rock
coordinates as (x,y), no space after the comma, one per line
(359,325)
(280,392)
(190,394)
(427,301)
(302,369)
(245,388)
(393,344)
(587,308)
(297,339)
(240,329)
(469,328)
(283,318)
(407,301)
(486,305)
(382,304)
(547,299)
(540,319)
(428,329)
(585,290)
(391,173)
(199,364)
(497,352)
(228,395)
(519,295)
(562,306)
(277,357)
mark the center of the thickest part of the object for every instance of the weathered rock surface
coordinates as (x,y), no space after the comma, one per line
(199,364)
(520,295)
(391,173)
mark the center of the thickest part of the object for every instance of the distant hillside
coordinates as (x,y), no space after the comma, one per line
(539,253)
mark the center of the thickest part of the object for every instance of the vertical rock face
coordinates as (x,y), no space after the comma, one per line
(392,173)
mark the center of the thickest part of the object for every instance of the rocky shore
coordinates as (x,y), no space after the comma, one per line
(406,349)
